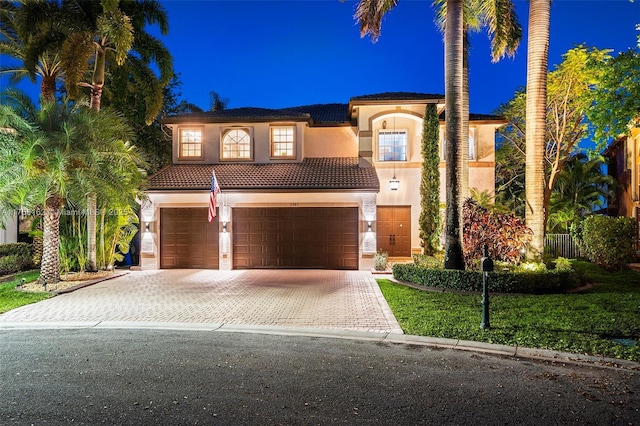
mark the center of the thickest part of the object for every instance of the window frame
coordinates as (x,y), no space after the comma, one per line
(181,143)
(223,135)
(472,143)
(379,152)
(293,141)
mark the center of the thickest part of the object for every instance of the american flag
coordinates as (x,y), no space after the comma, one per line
(215,189)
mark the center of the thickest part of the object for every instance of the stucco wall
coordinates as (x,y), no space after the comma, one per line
(10,233)
(330,142)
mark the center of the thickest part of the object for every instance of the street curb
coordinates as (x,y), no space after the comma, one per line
(544,355)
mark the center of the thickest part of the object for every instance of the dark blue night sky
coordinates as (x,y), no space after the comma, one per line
(276,54)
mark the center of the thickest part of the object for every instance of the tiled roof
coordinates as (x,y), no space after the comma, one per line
(337,174)
(397,96)
(250,114)
(478,117)
(319,113)
(325,113)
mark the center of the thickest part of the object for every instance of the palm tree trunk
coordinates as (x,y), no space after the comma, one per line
(454,94)
(49,269)
(97,82)
(92,264)
(464,148)
(48,88)
(537,63)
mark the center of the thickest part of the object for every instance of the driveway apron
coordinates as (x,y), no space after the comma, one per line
(326,299)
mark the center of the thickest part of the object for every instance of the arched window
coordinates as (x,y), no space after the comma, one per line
(236,144)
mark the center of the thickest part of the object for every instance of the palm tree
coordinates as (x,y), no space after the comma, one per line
(110,29)
(581,187)
(54,156)
(505,32)
(537,63)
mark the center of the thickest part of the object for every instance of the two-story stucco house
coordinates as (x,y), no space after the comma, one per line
(319,186)
(624,165)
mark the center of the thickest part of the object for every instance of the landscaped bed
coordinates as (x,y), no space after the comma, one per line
(602,320)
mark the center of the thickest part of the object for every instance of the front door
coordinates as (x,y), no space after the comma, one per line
(394,230)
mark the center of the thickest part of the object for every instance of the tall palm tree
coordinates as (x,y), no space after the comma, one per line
(537,63)
(54,156)
(454,127)
(505,33)
(105,30)
(504,29)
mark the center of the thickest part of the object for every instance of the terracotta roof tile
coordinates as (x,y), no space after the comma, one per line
(478,117)
(312,174)
(325,113)
(398,96)
(249,114)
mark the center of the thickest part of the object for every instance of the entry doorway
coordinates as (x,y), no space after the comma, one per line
(394,230)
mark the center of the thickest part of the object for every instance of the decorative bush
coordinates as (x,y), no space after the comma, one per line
(380,261)
(538,282)
(504,234)
(563,264)
(608,241)
(15,257)
(428,261)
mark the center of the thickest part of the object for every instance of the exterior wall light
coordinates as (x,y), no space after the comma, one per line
(368,226)
(394,183)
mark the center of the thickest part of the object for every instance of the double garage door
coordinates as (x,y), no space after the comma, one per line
(273,237)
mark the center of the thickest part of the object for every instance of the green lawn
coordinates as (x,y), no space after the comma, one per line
(582,323)
(11,299)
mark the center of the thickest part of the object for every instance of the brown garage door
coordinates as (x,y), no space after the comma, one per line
(298,237)
(187,239)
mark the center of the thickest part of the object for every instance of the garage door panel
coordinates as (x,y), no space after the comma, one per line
(187,239)
(295,238)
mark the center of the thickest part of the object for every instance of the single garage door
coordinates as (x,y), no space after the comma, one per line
(187,239)
(295,237)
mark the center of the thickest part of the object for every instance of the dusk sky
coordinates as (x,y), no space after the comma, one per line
(276,54)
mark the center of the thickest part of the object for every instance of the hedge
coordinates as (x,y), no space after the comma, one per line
(539,282)
(15,257)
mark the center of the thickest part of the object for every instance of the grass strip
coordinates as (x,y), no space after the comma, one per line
(10,298)
(584,323)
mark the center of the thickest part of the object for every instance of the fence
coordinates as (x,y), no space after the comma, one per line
(561,245)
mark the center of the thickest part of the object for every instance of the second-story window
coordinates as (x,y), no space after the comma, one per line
(236,144)
(472,146)
(392,145)
(283,141)
(191,143)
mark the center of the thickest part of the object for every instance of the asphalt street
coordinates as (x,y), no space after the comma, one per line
(144,377)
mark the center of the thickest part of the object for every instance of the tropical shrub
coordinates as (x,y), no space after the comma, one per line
(15,257)
(505,234)
(380,261)
(607,241)
(427,261)
(530,282)
(563,264)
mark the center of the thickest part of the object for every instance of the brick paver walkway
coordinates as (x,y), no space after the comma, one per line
(346,300)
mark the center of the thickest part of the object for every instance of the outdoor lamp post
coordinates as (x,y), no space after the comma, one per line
(486,266)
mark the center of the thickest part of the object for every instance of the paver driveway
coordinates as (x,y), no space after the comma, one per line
(344,300)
